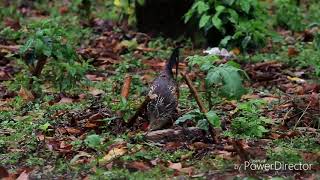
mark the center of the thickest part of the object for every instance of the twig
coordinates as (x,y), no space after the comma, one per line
(203,109)
(126,86)
(302,115)
(194,93)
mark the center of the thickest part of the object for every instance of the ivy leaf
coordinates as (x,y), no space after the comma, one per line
(204,20)
(213,119)
(228,79)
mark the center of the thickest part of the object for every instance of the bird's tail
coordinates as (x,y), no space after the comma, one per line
(174,60)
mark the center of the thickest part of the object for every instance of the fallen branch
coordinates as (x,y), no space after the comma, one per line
(203,109)
(175,134)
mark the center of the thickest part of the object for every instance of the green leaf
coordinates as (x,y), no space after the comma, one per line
(219,9)
(93,140)
(216,21)
(203,124)
(44,127)
(245,42)
(245,5)
(27,45)
(202,7)
(229,2)
(228,81)
(141,2)
(234,17)
(225,41)
(213,119)
(234,64)
(184,118)
(204,20)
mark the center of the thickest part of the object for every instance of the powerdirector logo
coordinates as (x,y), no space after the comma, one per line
(262,165)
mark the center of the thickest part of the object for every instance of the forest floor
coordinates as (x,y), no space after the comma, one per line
(83,134)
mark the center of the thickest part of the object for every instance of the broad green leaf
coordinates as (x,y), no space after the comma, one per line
(202,7)
(213,119)
(216,21)
(228,81)
(93,140)
(203,124)
(245,5)
(225,41)
(219,9)
(184,118)
(204,20)
(234,17)
(234,64)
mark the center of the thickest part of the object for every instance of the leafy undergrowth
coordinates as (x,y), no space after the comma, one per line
(81,133)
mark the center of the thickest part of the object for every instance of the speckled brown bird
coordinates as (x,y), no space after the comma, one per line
(163,94)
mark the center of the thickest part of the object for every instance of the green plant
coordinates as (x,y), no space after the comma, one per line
(241,23)
(203,120)
(283,154)
(289,15)
(225,79)
(49,50)
(249,123)
(126,9)
(93,141)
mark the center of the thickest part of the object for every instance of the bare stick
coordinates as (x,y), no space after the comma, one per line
(200,104)
(194,93)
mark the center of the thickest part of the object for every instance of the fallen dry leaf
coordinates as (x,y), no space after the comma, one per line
(73,131)
(25,94)
(113,154)
(23,176)
(139,166)
(3,172)
(96,92)
(65,100)
(176,166)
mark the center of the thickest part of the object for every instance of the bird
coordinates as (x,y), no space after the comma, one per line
(161,109)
